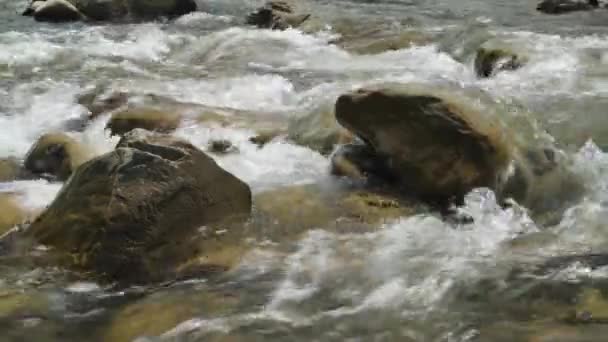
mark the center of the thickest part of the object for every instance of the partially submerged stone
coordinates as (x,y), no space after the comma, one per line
(99,101)
(490,61)
(375,43)
(566,6)
(56,155)
(162,311)
(287,212)
(135,214)
(276,15)
(222,146)
(151,119)
(318,130)
(57,11)
(437,147)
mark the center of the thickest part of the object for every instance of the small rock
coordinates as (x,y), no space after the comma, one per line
(56,154)
(150,119)
(276,15)
(264,138)
(57,11)
(378,43)
(490,61)
(222,147)
(566,6)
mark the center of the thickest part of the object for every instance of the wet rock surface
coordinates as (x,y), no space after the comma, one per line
(129,215)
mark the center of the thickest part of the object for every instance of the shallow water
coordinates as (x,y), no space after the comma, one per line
(411,279)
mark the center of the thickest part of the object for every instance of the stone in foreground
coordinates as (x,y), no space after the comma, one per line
(133,215)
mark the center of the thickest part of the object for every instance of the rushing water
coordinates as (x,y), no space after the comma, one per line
(411,279)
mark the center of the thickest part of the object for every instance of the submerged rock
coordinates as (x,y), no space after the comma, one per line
(490,61)
(318,130)
(163,311)
(566,6)
(287,212)
(134,214)
(150,119)
(374,43)
(276,15)
(56,11)
(10,169)
(10,213)
(97,101)
(436,146)
(57,155)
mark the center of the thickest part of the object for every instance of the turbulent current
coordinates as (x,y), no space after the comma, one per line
(503,276)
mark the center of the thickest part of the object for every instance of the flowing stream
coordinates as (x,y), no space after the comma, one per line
(415,278)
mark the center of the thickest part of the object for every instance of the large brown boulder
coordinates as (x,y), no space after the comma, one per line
(437,147)
(135,214)
(56,155)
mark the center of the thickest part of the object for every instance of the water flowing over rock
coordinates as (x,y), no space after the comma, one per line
(566,6)
(131,214)
(436,147)
(318,130)
(490,61)
(57,155)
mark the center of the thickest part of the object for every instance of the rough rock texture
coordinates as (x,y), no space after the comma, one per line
(436,147)
(132,214)
(56,11)
(276,15)
(490,61)
(565,6)
(150,119)
(57,155)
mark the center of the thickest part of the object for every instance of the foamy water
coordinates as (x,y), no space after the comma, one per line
(404,279)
